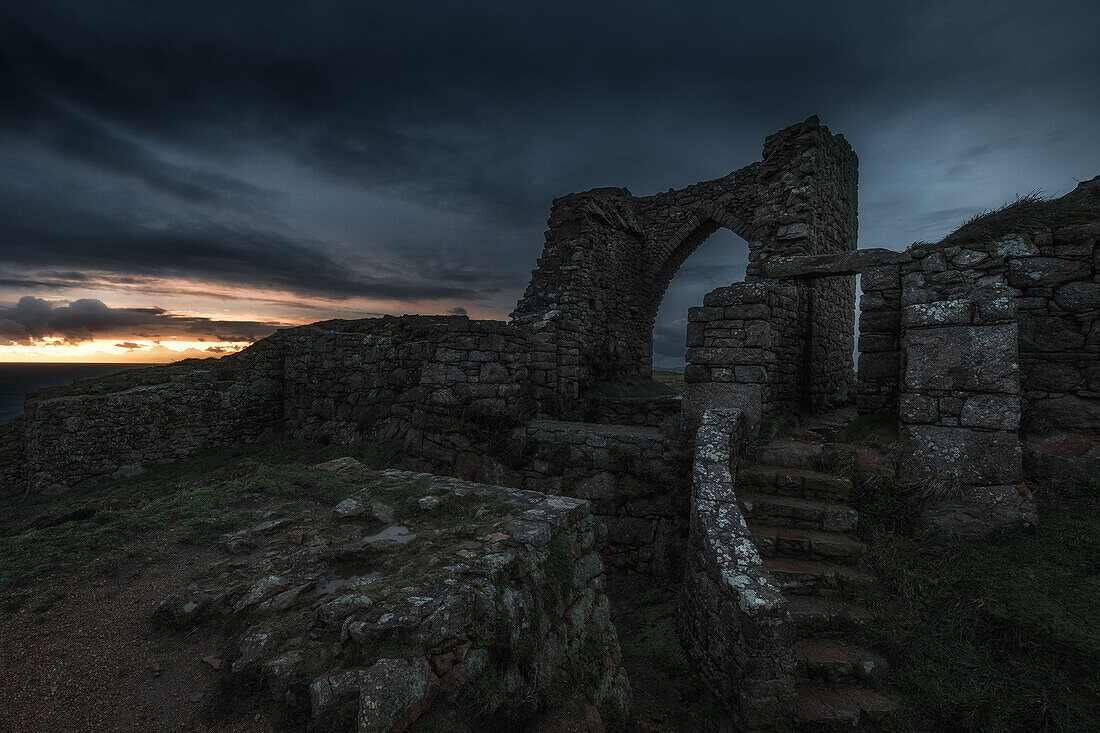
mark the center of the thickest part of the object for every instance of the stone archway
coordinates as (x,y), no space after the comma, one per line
(609,255)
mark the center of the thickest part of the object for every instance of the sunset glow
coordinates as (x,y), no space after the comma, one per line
(106,351)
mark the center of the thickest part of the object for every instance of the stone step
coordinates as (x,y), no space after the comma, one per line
(815,616)
(790,454)
(796,482)
(806,543)
(806,577)
(834,661)
(789,511)
(840,706)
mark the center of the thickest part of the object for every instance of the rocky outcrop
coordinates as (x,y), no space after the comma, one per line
(417,596)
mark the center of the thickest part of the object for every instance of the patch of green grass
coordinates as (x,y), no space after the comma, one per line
(645,614)
(193,496)
(991,635)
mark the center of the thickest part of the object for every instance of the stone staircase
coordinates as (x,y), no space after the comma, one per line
(797,512)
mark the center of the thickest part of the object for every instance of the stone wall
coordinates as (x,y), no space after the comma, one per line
(736,622)
(650,412)
(960,409)
(634,477)
(879,340)
(747,349)
(609,257)
(72,435)
(1053,276)
(385,377)
(12,468)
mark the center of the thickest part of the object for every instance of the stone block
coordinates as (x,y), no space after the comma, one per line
(973,457)
(994,412)
(939,313)
(871,342)
(1078,296)
(1053,376)
(916,408)
(881,321)
(962,358)
(982,510)
(705,313)
(1049,334)
(880,278)
(1046,271)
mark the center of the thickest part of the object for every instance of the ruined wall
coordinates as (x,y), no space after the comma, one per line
(609,257)
(634,477)
(960,409)
(747,349)
(879,370)
(75,434)
(383,377)
(12,469)
(1052,274)
(736,622)
(583,296)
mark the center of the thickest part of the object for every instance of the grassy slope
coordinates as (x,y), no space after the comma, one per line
(1028,214)
(43,533)
(1001,634)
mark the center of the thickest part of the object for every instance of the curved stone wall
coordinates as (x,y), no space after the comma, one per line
(736,622)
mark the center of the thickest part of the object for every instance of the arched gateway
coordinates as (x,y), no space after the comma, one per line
(610,256)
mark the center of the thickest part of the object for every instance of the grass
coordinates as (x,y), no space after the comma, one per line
(191,497)
(658,667)
(663,384)
(127,379)
(1026,215)
(991,635)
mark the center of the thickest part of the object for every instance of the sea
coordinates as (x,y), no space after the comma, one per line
(18,379)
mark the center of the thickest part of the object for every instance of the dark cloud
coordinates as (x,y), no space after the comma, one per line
(457,311)
(131,346)
(33,319)
(409,151)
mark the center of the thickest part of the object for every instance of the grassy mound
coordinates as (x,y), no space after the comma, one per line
(192,497)
(995,635)
(1029,214)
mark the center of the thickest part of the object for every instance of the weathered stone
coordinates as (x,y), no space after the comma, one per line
(1078,296)
(994,412)
(978,358)
(393,693)
(970,456)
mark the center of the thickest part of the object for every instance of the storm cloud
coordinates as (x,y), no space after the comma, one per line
(409,151)
(33,319)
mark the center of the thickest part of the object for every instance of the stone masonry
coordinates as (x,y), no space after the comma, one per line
(984,346)
(610,256)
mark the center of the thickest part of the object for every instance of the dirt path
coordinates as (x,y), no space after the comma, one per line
(78,652)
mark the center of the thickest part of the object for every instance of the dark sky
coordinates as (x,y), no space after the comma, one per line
(210,170)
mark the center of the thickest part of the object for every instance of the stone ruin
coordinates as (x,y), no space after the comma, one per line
(985,349)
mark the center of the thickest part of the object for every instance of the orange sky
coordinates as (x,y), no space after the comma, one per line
(193,319)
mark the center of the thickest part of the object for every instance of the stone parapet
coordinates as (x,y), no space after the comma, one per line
(736,623)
